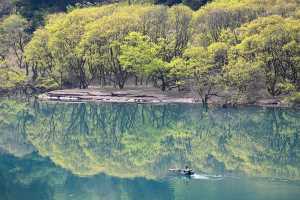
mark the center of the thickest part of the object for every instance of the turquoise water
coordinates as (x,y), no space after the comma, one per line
(123,151)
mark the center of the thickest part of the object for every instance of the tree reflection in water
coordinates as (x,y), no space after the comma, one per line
(54,145)
(131,140)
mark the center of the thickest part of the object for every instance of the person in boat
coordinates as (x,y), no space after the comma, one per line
(184,171)
(188,171)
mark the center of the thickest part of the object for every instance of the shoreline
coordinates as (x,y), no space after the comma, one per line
(142,95)
(114,96)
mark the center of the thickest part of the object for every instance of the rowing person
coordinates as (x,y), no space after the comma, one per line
(188,171)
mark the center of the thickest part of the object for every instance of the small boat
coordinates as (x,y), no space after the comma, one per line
(185,172)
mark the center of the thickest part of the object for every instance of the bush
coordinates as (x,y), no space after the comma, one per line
(46,84)
(295,98)
(11,78)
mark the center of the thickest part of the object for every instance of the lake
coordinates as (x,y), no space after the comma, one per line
(110,151)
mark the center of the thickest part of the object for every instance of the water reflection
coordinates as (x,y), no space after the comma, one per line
(123,151)
(131,140)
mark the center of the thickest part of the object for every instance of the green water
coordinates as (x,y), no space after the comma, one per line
(123,151)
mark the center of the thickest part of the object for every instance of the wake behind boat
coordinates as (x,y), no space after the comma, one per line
(187,172)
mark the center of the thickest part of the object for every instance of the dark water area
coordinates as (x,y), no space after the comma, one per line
(123,151)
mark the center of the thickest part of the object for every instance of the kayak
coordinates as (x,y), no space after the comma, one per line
(182,172)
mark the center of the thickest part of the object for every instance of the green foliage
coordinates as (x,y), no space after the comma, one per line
(13,38)
(242,47)
(240,73)
(271,44)
(92,52)
(13,34)
(139,54)
(103,37)
(11,78)
(213,18)
(46,84)
(178,67)
(54,52)
(205,67)
(294,98)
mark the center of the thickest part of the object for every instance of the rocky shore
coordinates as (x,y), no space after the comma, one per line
(141,95)
(120,96)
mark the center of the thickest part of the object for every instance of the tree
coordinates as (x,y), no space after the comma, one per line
(14,37)
(42,63)
(271,43)
(102,40)
(180,18)
(242,78)
(11,78)
(137,53)
(55,50)
(155,23)
(180,72)
(141,56)
(205,66)
(223,14)
(222,44)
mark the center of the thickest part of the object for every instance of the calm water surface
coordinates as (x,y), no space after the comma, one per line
(123,151)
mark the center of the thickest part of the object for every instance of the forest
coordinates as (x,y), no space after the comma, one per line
(239,50)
